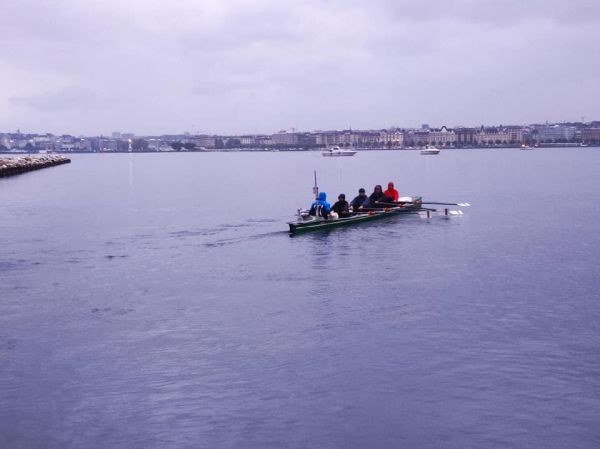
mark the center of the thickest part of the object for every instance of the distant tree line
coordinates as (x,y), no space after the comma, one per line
(178,146)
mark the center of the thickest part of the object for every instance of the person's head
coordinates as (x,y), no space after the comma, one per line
(322,196)
(361,192)
(341,197)
(390,185)
(377,188)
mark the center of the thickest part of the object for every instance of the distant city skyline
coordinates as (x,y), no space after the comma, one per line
(238,67)
(571,134)
(127,134)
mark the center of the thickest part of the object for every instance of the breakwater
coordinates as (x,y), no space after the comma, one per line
(17,165)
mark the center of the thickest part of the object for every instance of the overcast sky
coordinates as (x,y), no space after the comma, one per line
(260,66)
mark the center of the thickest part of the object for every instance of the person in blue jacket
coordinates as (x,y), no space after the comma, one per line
(320,207)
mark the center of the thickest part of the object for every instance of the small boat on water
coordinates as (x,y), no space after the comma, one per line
(405,205)
(526,147)
(306,222)
(337,151)
(430,150)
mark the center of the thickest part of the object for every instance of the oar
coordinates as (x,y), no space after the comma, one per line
(401,203)
(399,206)
(426,209)
(448,204)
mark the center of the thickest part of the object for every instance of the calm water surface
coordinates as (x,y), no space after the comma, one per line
(156,301)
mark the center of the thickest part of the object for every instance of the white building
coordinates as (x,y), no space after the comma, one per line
(441,137)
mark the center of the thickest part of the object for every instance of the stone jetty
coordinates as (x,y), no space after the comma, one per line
(16,165)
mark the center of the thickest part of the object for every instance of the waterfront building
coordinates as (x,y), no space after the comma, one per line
(285,138)
(554,133)
(307,140)
(498,136)
(263,141)
(109,145)
(44,143)
(441,137)
(465,136)
(154,144)
(416,137)
(247,141)
(350,138)
(203,141)
(5,141)
(327,138)
(85,144)
(67,147)
(591,135)
(372,139)
(345,138)
(516,134)
(20,143)
(391,138)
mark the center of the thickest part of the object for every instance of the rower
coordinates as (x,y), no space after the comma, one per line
(391,194)
(375,197)
(341,207)
(358,202)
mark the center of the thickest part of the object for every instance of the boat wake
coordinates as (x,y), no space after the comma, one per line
(248,238)
(231,233)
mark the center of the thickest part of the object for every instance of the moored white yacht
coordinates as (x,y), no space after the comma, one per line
(430,150)
(337,151)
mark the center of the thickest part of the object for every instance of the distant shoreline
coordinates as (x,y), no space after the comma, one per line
(294,150)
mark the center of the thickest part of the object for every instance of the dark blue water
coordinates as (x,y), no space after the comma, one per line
(156,301)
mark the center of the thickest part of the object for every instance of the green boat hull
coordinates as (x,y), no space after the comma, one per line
(297,227)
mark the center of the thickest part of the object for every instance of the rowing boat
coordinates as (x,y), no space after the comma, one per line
(405,205)
(306,222)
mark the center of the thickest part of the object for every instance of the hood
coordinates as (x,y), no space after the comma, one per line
(322,196)
(390,185)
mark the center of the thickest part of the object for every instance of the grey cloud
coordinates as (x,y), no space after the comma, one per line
(489,12)
(59,21)
(241,28)
(219,87)
(64,99)
(149,66)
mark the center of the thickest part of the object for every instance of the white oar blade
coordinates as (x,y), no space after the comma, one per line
(463,204)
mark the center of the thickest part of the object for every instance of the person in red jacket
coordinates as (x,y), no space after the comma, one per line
(391,194)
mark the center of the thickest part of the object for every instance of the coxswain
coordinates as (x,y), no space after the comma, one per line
(320,207)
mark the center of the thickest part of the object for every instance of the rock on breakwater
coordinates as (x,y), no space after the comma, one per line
(17,165)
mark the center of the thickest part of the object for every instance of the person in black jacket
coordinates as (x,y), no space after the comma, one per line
(375,197)
(341,206)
